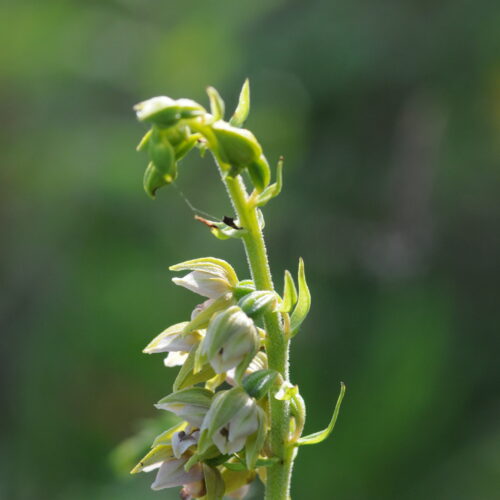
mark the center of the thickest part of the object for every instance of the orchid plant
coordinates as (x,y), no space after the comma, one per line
(240,417)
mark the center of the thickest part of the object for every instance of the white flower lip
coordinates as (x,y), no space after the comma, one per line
(172,473)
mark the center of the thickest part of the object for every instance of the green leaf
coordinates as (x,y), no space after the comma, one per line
(216,104)
(320,436)
(258,383)
(214,483)
(142,146)
(274,189)
(243,108)
(289,293)
(303,302)
(187,377)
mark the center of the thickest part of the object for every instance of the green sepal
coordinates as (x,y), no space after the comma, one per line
(255,442)
(166,112)
(188,377)
(143,145)
(289,293)
(184,147)
(166,436)
(157,454)
(258,383)
(318,437)
(162,154)
(303,302)
(153,180)
(243,288)
(260,173)
(274,189)
(241,368)
(216,104)
(208,454)
(213,483)
(259,302)
(243,108)
(223,232)
(202,319)
(197,396)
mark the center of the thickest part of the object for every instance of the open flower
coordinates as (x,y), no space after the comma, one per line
(176,342)
(209,277)
(232,418)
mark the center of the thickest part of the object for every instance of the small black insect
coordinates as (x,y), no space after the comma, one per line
(229,221)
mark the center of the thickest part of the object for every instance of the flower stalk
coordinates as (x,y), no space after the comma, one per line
(240,335)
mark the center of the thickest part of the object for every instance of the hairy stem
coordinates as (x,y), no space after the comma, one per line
(279,475)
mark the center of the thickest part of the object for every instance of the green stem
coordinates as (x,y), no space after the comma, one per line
(279,475)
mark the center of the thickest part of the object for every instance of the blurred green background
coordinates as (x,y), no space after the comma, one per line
(388,114)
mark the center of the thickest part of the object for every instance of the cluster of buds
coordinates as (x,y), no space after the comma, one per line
(230,404)
(221,438)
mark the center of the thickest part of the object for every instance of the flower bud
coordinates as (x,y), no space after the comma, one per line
(189,404)
(165,112)
(231,419)
(257,303)
(231,336)
(238,147)
(154,180)
(209,277)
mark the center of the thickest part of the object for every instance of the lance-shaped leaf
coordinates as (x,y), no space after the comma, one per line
(289,293)
(274,189)
(216,104)
(259,302)
(258,383)
(154,459)
(243,108)
(214,483)
(189,404)
(303,301)
(187,377)
(317,437)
